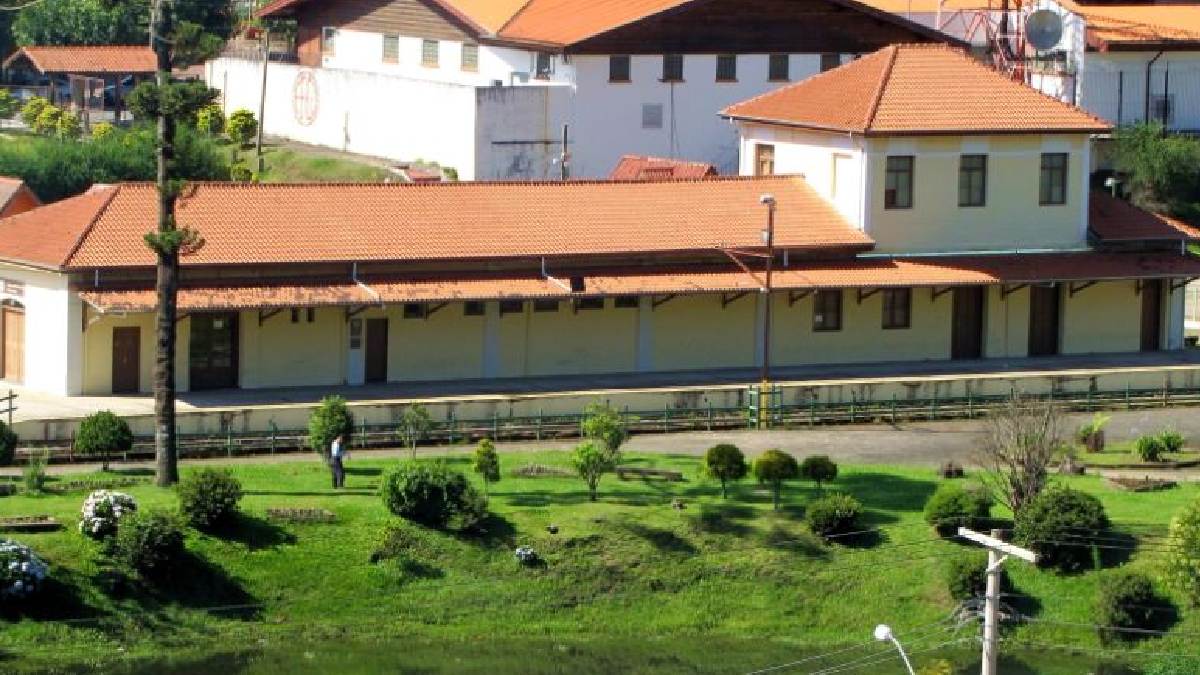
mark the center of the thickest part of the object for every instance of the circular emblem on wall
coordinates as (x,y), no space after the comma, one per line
(305,99)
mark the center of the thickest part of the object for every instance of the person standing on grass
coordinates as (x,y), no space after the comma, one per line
(337,452)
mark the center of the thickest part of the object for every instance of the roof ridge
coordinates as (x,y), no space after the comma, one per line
(728,178)
(83,235)
(524,6)
(883,81)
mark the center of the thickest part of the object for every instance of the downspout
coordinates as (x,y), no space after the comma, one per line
(370,291)
(558,282)
(1149,65)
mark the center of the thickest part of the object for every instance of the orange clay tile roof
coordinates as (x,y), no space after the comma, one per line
(863,273)
(484,16)
(916,89)
(248,224)
(1116,220)
(639,167)
(46,236)
(1139,26)
(16,197)
(119,60)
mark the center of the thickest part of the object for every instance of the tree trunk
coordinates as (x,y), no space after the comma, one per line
(724,494)
(167,282)
(775,494)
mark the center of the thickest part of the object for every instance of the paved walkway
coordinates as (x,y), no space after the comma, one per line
(39,406)
(924,443)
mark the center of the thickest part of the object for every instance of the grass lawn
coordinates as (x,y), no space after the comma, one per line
(629,567)
(297,165)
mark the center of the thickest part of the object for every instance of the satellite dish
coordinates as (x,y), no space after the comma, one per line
(1043,29)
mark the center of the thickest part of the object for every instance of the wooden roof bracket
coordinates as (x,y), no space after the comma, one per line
(1176,285)
(1008,289)
(728,299)
(263,315)
(793,296)
(430,309)
(181,317)
(863,294)
(660,300)
(935,292)
(355,311)
(1074,287)
(1137,286)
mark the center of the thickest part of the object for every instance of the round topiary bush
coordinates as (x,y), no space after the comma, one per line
(819,469)
(242,126)
(210,119)
(8,445)
(953,506)
(1183,561)
(21,571)
(774,467)
(209,498)
(1149,448)
(966,575)
(1126,605)
(833,514)
(102,513)
(148,544)
(726,463)
(1059,524)
(433,495)
(103,434)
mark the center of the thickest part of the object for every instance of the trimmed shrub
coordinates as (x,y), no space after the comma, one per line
(726,463)
(1172,440)
(487,462)
(102,513)
(951,469)
(69,126)
(210,119)
(605,425)
(1183,561)
(21,571)
(1149,448)
(1058,524)
(209,498)
(966,575)
(34,473)
(33,109)
(953,506)
(833,514)
(240,173)
(47,121)
(328,420)
(103,434)
(591,461)
(773,467)
(242,126)
(9,104)
(148,544)
(1091,434)
(433,495)
(1125,605)
(414,426)
(819,469)
(102,130)
(8,444)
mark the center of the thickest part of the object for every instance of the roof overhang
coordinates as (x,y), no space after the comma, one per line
(908,132)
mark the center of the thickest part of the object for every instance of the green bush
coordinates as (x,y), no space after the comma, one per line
(9,104)
(1172,441)
(69,126)
(8,444)
(966,575)
(209,498)
(833,514)
(103,434)
(605,425)
(487,462)
(47,121)
(414,426)
(1183,561)
(1149,448)
(433,495)
(819,469)
(1057,524)
(242,126)
(34,473)
(102,129)
(726,463)
(327,421)
(773,468)
(1125,605)
(210,120)
(1170,665)
(32,110)
(591,461)
(148,544)
(953,506)
(240,173)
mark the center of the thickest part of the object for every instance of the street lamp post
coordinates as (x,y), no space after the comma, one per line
(768,236)
(884,633)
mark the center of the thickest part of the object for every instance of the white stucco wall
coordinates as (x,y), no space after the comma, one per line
(1113,85)
(53,351)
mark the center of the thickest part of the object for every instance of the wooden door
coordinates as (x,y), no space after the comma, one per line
(1043,320)
(376,356)
(1152,293)
(213,351)
(966,327)
(14,344)
(126,352)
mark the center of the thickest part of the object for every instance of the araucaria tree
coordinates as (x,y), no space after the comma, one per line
(726,463)
(487,463)
(591,462)
(1018,448)
(606,426)
(774,467)
(415,425)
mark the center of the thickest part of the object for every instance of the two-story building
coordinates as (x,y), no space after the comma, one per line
(485,86)
(906,220)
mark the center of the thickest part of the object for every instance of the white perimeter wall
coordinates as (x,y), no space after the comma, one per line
(1113,85)
(53,333)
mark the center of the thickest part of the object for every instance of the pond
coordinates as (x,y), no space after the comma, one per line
(533,657)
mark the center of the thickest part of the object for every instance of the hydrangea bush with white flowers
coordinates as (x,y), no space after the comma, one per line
(21,571)
(102,510)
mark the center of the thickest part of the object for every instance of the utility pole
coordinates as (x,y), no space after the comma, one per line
(768,237)
(998,552)
(564,158)
(262,99)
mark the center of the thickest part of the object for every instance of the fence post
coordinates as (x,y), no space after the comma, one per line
(666,419)
(1166,390)
(12,403)
(852,401)
(1128,403)
(812,411)
(538,429)
(893,410)
(933,405)
(228,442)
(1090,405)
(495,425)
(274,435)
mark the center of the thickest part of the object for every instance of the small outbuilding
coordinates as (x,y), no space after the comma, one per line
(96,78)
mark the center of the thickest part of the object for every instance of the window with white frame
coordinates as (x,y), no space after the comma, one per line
(391,48)
(328,38)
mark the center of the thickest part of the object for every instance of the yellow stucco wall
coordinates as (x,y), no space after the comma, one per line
(1012,217)
(692,332)
(97,352)
(1006,323)
(445,345)
(587,341)
(1106,317)
(280,353)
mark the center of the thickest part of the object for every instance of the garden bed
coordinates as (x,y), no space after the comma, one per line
(302,515)
(63,487)
(1146,484)
(29,524)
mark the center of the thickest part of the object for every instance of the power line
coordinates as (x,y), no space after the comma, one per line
(1116,629)
(860,645)
(1097,650)
(890,655)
